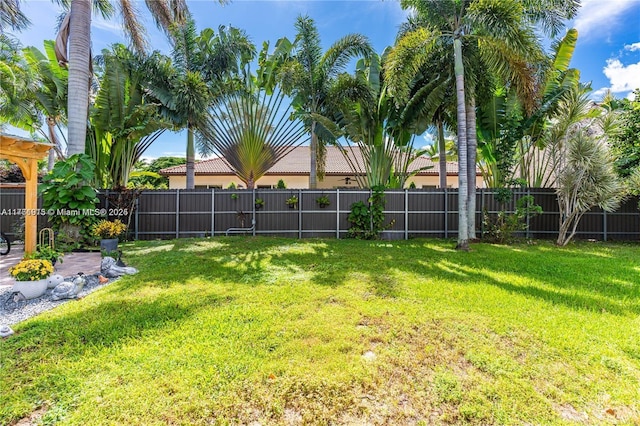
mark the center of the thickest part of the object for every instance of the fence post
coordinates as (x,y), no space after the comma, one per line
(338,213)
(177,213)
(528,234)
(106,202)
(482,212)
(213,212)
(137,219)
(299,213)
(446,213)
(604,224)
(406,214)
(253,211)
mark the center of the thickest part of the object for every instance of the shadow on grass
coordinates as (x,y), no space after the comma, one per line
(109,323)
(593,281)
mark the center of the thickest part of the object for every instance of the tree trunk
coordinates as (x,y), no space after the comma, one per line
(472,146)
(313,165)
(191,158)
(442,155)
(79,74)
(51,125)
(463,230)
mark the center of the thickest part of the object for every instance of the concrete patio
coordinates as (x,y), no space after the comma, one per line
(72,263)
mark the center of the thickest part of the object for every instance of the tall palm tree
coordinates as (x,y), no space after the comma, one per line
(502,31)
(202,68)
(76,30)
(310,79)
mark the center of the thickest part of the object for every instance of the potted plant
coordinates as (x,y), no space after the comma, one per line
(292,202)
(108,232)
(323,201)
(31,277)
(47,253)
(259,203)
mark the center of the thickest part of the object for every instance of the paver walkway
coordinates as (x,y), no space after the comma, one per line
(72,263)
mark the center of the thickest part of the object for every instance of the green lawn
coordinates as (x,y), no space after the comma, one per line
(237,330)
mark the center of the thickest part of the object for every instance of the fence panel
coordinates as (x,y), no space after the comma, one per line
(414,213)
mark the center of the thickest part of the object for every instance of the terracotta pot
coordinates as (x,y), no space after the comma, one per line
(30,289)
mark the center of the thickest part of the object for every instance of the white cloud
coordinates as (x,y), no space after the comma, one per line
(623,78)
(632,47)
(598,17)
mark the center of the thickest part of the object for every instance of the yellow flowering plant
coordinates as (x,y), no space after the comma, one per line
(31,270)
(106,229)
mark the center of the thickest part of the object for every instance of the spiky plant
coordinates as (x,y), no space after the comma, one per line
(252,132)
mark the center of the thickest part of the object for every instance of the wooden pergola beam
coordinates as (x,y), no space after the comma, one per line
(26,153)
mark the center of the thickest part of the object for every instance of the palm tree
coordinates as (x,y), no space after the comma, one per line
(311,78)
(77,29)
(17,84)
(11,16)
(502,31)
(50,93)
(124,122)
(202,69)
(383,130)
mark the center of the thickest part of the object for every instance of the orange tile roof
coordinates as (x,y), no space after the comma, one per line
(297,163)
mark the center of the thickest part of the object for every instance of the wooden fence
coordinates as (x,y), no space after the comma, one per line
(414,213)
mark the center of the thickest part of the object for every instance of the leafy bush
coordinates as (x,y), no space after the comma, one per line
(46,253)
(67,192)
(281,185)
(502,230)
(367,218)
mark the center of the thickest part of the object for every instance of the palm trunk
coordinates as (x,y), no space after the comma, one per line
(472,146)
(313,165)
(463,229)
(79,74)
(442,155)
(51,125)
(191,157)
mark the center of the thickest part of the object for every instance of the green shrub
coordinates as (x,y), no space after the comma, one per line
(367,219)
(69,198)
(502,230)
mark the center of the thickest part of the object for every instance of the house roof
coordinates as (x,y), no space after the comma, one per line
(297,163)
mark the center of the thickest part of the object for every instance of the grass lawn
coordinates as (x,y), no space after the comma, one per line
(279,331)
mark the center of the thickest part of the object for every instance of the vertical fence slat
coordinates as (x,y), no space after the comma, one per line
(178,213)
(213,212)
(338,213)
(446,213)
(299,213)
(406,214)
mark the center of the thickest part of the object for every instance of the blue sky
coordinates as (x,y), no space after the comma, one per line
(607,54)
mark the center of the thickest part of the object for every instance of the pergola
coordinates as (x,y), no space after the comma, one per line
(26,153)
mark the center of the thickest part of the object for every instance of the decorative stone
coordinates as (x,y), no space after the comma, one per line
(54,280)
(5,331)
(69,290)
(110,269)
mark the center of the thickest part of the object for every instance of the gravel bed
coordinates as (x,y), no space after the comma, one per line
(14,309)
